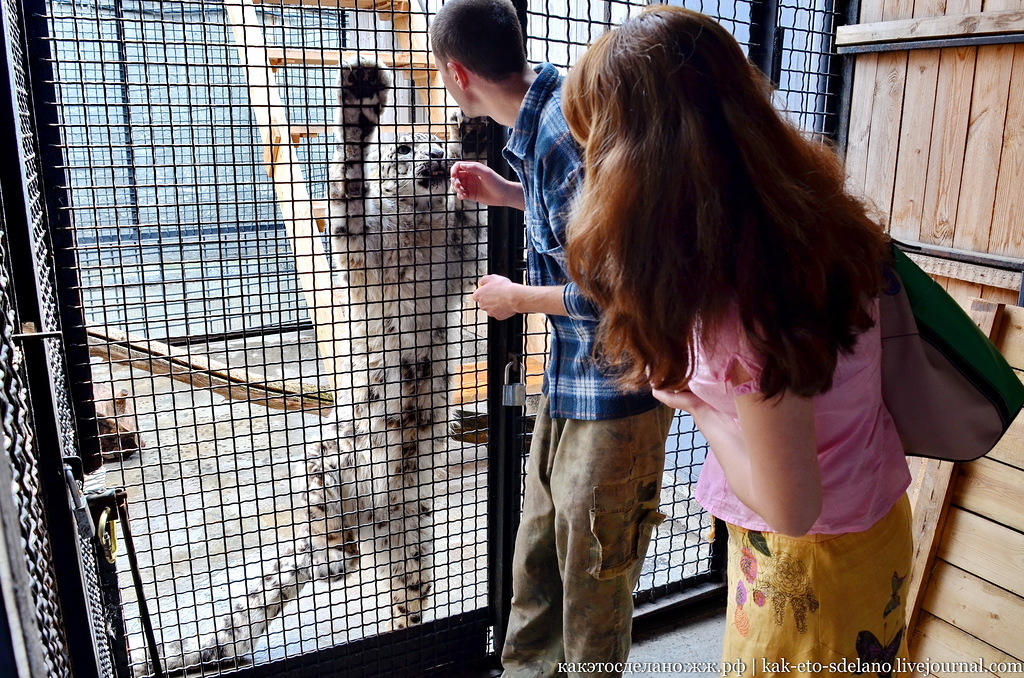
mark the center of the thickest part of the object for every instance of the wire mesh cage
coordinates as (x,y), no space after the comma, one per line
(259,360)
(291,393)
(21,471)
(794,44)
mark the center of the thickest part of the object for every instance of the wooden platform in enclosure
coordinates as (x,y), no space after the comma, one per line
(966,599)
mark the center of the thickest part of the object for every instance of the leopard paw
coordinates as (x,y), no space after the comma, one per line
(362,95)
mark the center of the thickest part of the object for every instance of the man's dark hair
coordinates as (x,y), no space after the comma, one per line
(482,35)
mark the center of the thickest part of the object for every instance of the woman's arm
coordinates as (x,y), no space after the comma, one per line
(770,459)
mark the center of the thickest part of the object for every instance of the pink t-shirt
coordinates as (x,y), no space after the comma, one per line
(863,468)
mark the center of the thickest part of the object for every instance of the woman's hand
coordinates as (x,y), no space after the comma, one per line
(684,399)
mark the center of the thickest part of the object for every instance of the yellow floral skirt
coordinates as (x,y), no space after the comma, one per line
(819,604)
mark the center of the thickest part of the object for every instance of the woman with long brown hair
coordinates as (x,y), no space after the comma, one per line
(739,278)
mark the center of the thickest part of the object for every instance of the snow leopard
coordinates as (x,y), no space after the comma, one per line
(406,252)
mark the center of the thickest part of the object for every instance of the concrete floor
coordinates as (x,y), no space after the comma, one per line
(684,643)
(218,488)
(690,639)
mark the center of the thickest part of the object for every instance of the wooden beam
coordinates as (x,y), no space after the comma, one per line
(1008,214)
(299,132)
(930,497)
(930,503)
(412,34)
(311,262)
(988,315)
(985,131)
(201,372)
(932,28)
(972,273)
(385,7)
(1010,339)
(315,56)
(947,144)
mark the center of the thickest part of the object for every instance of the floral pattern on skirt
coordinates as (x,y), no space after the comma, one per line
(819,598)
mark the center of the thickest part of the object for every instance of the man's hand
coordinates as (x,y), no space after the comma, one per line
(479,183)
(498,296)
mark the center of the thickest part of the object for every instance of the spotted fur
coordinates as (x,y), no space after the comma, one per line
(405,251)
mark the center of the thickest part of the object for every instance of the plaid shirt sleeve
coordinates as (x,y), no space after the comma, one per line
(548,160)
(559,203)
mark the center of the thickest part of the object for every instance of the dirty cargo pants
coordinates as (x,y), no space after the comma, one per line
(590,505)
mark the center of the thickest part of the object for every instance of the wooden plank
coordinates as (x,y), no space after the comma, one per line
(984,145)
(975,606)
(914,145)
(886,118)
(948,142)
(1010,338)
(939,645)
(1003,5)
(987,315)
(886,115)
(411,33)
(316,56)
(1000,295)
(385,7)
(1010,449)
(1008,214)
(861,101)
(201,372)
(992,490)
(924,9)
(298,132)
(931,495)
(931,28)
(973,273)
(929,504)
(989,550)
(893,10)
(871,10)
(961,291)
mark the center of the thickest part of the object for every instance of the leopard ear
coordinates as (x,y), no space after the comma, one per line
(121,402)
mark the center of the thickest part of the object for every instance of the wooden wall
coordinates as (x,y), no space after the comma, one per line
(936,144)
(936,138)
(966,593)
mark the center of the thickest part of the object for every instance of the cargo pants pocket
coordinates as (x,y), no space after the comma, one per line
(622,522)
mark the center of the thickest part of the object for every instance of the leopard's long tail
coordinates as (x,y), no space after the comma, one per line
(237,632)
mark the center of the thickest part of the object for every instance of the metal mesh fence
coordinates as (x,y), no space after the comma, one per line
(287,382)
(558,31)
(19,455)
(272,396)
(24,458)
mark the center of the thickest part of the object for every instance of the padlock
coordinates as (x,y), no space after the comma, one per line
(512,394)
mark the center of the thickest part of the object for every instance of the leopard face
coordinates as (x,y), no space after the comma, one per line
(412,165)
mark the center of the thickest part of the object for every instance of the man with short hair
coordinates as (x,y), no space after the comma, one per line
(594,475)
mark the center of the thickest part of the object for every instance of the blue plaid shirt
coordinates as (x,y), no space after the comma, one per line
(547,159)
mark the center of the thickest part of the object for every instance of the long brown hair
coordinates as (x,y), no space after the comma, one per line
(700,197)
